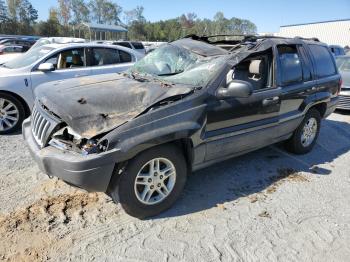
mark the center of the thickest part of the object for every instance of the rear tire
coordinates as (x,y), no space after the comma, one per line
(305,136)
(12,114)
(151,182)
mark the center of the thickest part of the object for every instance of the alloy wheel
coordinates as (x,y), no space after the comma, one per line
(155,181)
(309,132)
(9,114)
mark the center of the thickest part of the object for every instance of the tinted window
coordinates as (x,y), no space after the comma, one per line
(138,45)
(125,44)
(8,49)
(324,61)
(105,56)
(124,57)
(306,64)
(291,68)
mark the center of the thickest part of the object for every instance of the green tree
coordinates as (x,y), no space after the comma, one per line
(105,11)
(27,15)
(81,12)
(52,26)
(136,23)
(3,17)
(64,11)
(13,9)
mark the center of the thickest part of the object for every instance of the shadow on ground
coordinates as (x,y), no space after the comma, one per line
(256,171)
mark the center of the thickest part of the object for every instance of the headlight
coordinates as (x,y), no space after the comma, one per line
(67,139)
(93,146)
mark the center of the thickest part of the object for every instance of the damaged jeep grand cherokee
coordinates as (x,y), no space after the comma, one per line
(190,103)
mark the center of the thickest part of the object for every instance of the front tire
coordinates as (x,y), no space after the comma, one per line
(305,136)
(151,182)
(12,114)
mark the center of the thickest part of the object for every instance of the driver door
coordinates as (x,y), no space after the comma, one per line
(238,125)
(70,63)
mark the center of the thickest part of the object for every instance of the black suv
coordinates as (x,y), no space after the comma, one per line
(189,104)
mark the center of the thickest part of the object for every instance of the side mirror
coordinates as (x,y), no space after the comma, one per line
(235,88)
(46,67)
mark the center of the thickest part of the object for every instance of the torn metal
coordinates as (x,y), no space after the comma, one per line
(95,105)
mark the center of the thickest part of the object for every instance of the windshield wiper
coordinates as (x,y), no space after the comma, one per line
(173,73)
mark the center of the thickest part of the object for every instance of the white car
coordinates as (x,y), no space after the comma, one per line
(57,40)
(9,56)
(136,46)
(19,77)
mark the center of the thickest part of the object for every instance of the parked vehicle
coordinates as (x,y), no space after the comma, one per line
(137,46)
(8,56)
(337,50)
(343,63)
(57,40)
(17,42)
(185,106)
(20,77)
(10,49)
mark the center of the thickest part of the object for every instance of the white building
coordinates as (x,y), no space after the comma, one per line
(335,32)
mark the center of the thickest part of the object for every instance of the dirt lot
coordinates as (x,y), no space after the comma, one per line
(264,206)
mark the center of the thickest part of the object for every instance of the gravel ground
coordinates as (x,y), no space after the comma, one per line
(264,206)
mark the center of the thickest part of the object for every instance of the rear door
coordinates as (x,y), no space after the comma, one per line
(70,63)
(325,70)
(298,84)
(103,60)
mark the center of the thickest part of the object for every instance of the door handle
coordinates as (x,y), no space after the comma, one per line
(271,101)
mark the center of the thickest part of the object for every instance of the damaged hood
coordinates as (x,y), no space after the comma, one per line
(94,105)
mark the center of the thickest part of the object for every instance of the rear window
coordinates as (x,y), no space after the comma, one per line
(124,57)
(323,60)
(138,45)
(337,51)
(105,56)
(125,44)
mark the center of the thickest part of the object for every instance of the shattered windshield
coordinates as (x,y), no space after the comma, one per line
(178,65)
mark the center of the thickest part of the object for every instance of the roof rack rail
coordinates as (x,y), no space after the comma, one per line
(246,38)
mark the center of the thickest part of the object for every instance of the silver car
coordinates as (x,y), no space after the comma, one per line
(343,63)
(20,76)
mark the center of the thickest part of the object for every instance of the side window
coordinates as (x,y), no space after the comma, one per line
(323,60)
(306,64)
(291,69)
(125,57)
(9,49)
(104,56)
(71,59)
(53,60)
(257,70)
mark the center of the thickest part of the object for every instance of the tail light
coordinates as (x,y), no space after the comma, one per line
(340,85)
(1,52)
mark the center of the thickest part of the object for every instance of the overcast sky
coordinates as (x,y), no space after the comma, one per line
(268,15)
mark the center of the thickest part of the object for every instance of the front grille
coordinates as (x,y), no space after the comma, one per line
(344,102)
(43,125)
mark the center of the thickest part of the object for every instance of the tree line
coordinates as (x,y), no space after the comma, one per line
(20,17)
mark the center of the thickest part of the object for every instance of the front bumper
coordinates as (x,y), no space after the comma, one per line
(344,100)
(91,172)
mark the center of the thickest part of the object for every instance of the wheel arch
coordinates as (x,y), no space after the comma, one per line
(23,102)
(321,108)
